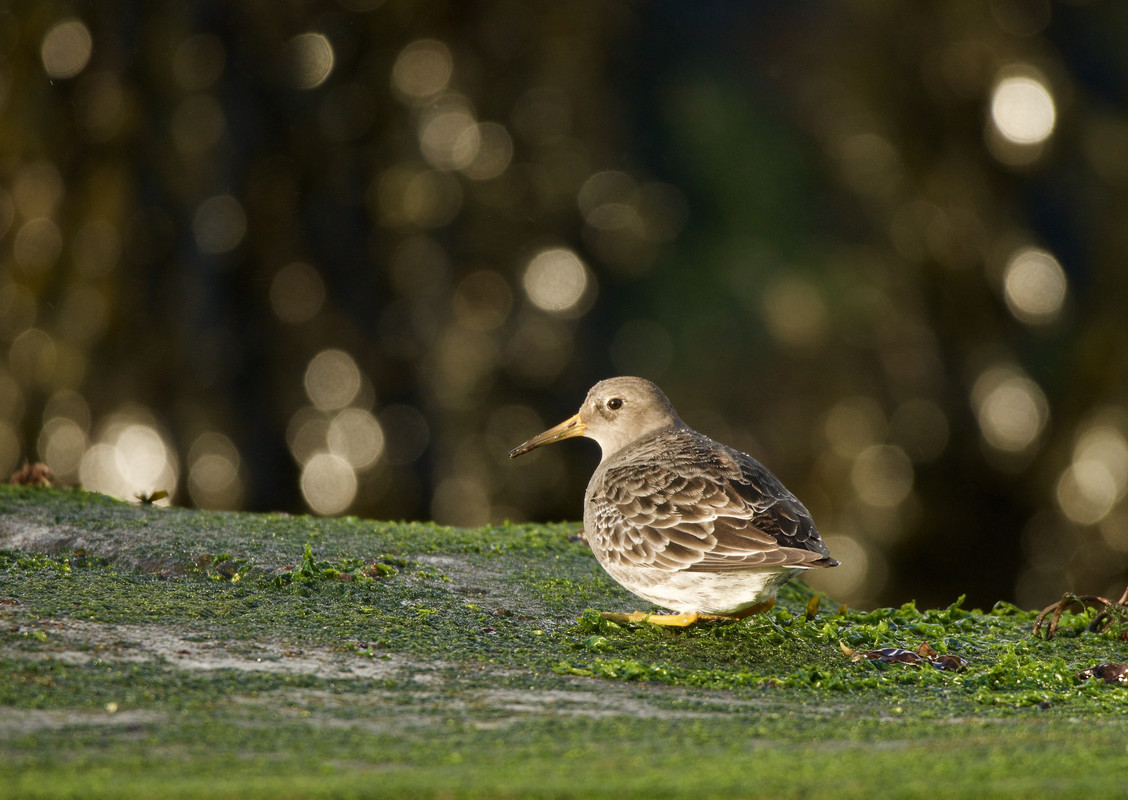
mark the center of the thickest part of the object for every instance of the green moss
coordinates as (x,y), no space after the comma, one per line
(387,658)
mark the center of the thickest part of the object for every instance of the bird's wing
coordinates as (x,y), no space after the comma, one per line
(703,510)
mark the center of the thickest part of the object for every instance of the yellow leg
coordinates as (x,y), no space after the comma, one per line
(670,620)
(688,617)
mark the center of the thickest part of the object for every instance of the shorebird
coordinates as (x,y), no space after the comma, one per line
(678,519)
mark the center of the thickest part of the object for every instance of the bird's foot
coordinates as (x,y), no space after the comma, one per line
(669,620)
(687,618)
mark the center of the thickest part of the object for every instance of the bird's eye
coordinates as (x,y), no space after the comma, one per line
(615,403)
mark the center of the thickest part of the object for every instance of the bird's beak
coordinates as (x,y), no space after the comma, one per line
(573,426)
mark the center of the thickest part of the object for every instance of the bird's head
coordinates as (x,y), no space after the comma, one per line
(616,412)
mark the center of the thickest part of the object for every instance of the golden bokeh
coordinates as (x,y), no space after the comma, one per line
(795,313)
(448,133)
(130,456)
(1012,409)
(882,475)
(38,245)
(66,48)
(422,70)
(387,243)
(1022,109)
(332,380)
(214,479)
(328,484)
(493,151)
(297,293)
(1034,285)
(311,59)
(556,280)
(355,435)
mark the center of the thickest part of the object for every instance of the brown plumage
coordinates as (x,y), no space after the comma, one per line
(679,519)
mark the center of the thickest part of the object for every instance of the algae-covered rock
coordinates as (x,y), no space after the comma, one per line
(257,655)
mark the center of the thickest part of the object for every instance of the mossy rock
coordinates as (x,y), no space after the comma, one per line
(175,653)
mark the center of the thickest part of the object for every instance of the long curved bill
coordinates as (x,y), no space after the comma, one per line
(573,426)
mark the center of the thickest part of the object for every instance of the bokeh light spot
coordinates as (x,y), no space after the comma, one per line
(1086,492)
(219,224)
(1022,110)
(603,188)
(1034,286)
(328,484)
(795,312)
(69,404)
(920,426)
(882,475)
(853,424)
(556,280)
(859,575)
(448,134)
(355,435)
(1105,445)
(213,472)
(297,293)
(1012,409)
(871,165)
(61,444)
(306,434)
(540,349)
(100,106)
(38,189)
(38,245)
(66,49)
(422,70)
(332,379)
(482,300)
(311,60)
(460,501)
(463,361)
(494,151)
(131,457)
(423,198)
(141,453)
(33,357)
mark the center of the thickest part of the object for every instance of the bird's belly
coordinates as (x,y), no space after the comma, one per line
(704,592)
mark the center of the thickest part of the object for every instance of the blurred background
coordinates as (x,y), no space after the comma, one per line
(339,257)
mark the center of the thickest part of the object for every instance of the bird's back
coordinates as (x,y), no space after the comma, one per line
(677,500)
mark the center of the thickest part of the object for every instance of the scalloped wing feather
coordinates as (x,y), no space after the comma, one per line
(686,503)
